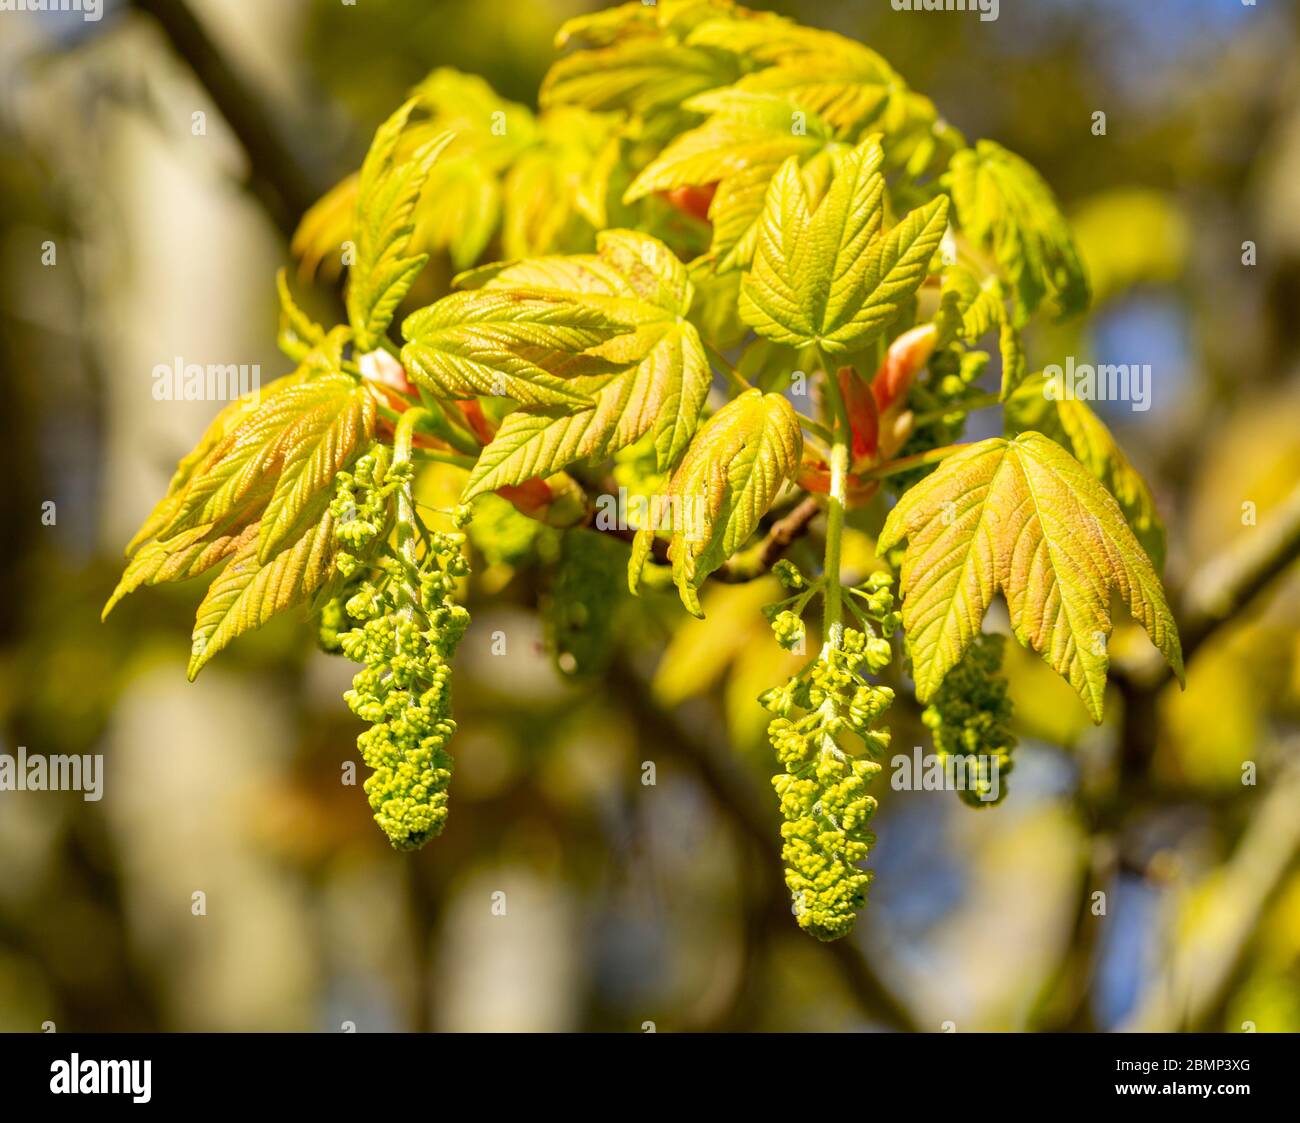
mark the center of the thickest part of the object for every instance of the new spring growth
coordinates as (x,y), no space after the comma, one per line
(826,738)
(969,716)
(408,627)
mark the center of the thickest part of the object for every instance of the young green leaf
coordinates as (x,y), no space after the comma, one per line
(319,443)
(299,333)
(1074,425)
(745,141)
(386,196)
(1005,205)
(165,510)
(501,343)
(726,482)
(459,207)
(661,386)
(644,77)
(247,593)
(1025,518)
(188,554)
(849,86)
(829,277)
(239,474)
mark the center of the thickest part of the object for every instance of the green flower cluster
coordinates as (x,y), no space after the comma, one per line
(408,630)
(588,588)
(969,716)
(823,790)
(361,510)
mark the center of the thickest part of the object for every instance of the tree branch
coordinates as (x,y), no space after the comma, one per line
(276,176)
(1231,581)
(1201,969)
(744,567)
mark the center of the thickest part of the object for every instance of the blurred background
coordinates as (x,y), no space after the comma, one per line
(628,906)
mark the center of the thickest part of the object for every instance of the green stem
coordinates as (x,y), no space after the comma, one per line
(445,424)
(816,428)
(983,401)
(833,618)
(432,456)
(907,463)
(732,375)
(403,436)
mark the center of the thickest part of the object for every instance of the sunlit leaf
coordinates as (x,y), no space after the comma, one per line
(729,477)
(1026,519)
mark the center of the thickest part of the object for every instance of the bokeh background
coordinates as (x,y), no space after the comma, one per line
(628,904)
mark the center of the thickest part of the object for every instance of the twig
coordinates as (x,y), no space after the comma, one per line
(276,176)
(748,566)
(1224,586)
(1202,969)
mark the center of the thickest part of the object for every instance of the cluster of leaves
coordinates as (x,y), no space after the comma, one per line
(700,179)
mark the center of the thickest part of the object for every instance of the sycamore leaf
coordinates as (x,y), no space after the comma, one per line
(853,88)
(316,446)
(1005,205)
(1025,518)
(639,20)
(247,593)
(1074,425)
(660,389)
(847,84)
(240,471)
(165,510)
(829,277)
(726,482)
(387,192)
(745,141)
(641,76)
(186,555)
(459,207)
(553,190)
(299,333)
(500,343)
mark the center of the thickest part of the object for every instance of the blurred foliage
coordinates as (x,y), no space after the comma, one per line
(625,901)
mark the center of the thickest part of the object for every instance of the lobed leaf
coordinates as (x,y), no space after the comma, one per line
(828,277)
(1025,518)
(316,446)
(189,554)
(1005,205)
(387,192)
(247,593)
(661,387)
(1074,425)
(726,482)
(502,343)
(743,144)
